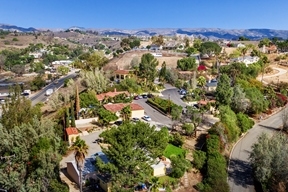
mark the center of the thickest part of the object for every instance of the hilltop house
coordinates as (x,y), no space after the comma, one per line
(71,133)
(122,74)
(247,60)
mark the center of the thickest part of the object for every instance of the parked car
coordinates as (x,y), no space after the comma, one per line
(150,95)
(140,97)
(136,98)
(145,96)
(146,118)
(118,123)
(135,119)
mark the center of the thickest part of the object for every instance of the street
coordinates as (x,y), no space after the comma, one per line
(40,96)
(240,177)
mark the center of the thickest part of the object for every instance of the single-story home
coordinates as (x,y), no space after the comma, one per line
(137,110)
(71,133)
(111,94)
(161,167)
(211,86)
(247,60)
(104,181)
(122,74)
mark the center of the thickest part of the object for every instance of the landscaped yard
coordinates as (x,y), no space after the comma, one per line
(173,150)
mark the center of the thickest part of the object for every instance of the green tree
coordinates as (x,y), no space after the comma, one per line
(201,81)
(263,42)
(244,122)
(224,92)
(190,51)
(269,157)
(132,150)
(147,67)
(187,64)
(73,124)
(67,117)
(105,116)
(63,70)
(18,110)
(80,149)
(126,113)
(199,159)
(155,184)
(92,61)
(163,71)
(197,44)
(131,85)
(94,80)
(210,48)
(188,129)
(88,99)
(239,101)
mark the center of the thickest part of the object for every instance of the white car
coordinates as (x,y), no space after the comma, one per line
(146,118)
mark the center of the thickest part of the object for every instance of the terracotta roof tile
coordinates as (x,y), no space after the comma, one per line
(102,96)
(123,72)
(119,106)
(71,131)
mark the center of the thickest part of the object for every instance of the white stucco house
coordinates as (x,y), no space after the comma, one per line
(247,60)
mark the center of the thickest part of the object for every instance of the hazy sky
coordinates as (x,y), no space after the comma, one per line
(135,14)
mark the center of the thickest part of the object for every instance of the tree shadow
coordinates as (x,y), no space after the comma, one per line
(200,141)
(64,171)
(270,128)
(240,172)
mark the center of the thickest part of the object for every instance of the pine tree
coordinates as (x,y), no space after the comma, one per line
(73,124)
(77,102)
(67,118)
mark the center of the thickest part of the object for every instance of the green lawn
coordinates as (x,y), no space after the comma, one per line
(173,150)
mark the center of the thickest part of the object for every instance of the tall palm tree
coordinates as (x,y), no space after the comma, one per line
(80,151)
(126,113)
(155,184)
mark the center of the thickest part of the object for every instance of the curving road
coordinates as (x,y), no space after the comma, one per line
(40,95)
(240,177)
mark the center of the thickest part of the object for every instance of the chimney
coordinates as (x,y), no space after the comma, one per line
(115,90)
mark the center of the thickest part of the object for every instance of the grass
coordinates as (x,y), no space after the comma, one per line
(166,179)
(173,150)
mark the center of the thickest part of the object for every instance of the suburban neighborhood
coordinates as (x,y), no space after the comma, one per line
(87,112)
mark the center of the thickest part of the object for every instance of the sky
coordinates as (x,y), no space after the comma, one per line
(137,14)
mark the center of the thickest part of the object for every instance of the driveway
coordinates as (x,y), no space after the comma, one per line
(173,94)
(93,148)
(240,176)
(156,116)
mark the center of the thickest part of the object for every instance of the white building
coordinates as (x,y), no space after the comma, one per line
(62,62)
(247,60)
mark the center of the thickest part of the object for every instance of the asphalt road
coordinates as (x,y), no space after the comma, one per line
(240,177)
(154,114)
(40,95)
(174,96)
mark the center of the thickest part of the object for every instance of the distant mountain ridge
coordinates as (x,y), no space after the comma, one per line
(211,33)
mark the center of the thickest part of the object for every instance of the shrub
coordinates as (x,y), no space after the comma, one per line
(199,159)
(177,140)
(244,122)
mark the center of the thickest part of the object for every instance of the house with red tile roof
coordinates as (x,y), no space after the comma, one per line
(137,110)
(122,74)
(111,94)
(72,133)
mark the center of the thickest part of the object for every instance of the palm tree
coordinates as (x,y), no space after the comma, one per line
(201,81)
(155,184)
(126,113)
(80,150)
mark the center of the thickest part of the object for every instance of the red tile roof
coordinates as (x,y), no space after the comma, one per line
(71,131)
(102,96)
(119,106)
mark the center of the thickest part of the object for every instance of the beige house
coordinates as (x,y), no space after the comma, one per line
(137,110)
(72,133)
(161,167)
(122,74)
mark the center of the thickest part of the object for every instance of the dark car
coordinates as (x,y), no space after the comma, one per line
(150,95)
(135,119)
(145,96)
(118,123)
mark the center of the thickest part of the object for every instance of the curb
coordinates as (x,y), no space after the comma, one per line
(243,135)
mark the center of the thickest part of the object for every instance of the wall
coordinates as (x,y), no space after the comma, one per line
(85,121)
(72,171)
(138,113)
